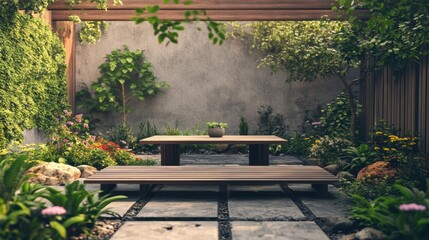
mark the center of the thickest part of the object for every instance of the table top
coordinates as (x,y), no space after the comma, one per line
(205,139)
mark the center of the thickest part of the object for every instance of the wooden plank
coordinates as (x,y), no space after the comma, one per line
(205,4)
(216,15)
(205,139)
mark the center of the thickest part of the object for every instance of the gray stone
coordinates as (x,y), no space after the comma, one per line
(51,173)
(190,188)
(170,206)
(349,237)
(263,206)
(120,207)
(277,231)
(345,175)
(151,230)
(370,234)
(337,224)
(332,168)
(255,188)
(86,170)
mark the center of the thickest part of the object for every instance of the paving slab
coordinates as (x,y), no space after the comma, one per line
(153,230)
(277,231)
(120,207)
(335,205)
(255,188)
(262,206)
(169,205)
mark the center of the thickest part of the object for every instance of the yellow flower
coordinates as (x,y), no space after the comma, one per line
(379,133)
(318,141)
(306,139)
(376,148)
(4,152)
(386,149)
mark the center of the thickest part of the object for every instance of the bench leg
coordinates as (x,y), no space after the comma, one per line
(321,189)
(106,188)
(224,189)
(170,155)
(144,190)
(258,155)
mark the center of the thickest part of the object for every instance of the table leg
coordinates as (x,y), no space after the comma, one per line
(170,155)
(258,155)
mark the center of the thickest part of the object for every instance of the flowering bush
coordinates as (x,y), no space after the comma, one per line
(393,148)
(329,149)
(403,217)
(297,145)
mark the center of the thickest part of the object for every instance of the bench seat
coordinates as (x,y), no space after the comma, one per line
(219,175)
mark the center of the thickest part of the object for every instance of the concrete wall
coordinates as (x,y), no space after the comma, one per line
(208,83)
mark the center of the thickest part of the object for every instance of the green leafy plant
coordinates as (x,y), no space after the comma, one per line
(122,135)
(403,217)
(217,125)
(244,126)
(91,31)
(297,145)
(145,130)
(83,206)
(329,149)
(269,124)
(335,119)
(357,158)
(12,175)
(126,76)
(32,76)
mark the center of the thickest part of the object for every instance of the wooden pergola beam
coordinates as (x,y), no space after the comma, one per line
(216,15)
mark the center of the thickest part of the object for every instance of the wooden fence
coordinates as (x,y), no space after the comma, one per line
(399,98)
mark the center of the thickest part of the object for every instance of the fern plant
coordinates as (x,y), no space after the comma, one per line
(12,175)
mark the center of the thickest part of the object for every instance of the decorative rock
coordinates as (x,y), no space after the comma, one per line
(335,224)
(345,175)
(376,172)
(349,237)
(51,173)
(370,234)
(332,168)
(86,170)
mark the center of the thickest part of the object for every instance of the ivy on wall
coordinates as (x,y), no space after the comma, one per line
(32,77)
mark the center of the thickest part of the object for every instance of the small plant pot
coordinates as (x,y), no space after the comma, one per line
(216,132)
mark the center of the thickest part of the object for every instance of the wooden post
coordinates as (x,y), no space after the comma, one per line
(258,155)
(66,33)
(170,155)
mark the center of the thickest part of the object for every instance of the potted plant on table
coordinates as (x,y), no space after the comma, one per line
(216,129)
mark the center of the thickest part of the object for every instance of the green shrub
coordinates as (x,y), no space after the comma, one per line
(145,130)
(335,119)
(357,158)
(402,217)
(269,124)
(32,77)
(244,126)
(122,157)
(122,135)
(297,145)
(142,162)
(329,149)
(99,159)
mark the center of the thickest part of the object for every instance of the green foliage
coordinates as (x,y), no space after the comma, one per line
(394,215)
(143,162)
(32,77)
(91,31)
(168,29)
(357,158)
(122,134)
(335,119)
(12,175)
(217,125)
(125,76)
(83,204)
(122,157)
(329,149)
(269,124)
(304,49)
(145,130)
(244,126)
(393,31)
(297,145)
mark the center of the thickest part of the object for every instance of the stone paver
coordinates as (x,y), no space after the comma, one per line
(121,206)
(152,230)
(336,205)
(255,188)
(167,205)
(277,231)
(262,205)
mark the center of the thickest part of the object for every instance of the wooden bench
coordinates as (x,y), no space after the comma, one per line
(109,177)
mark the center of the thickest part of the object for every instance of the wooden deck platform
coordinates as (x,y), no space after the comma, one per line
(216,175)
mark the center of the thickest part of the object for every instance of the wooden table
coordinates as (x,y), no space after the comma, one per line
(258,146)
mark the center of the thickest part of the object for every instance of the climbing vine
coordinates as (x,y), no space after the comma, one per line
(32,77)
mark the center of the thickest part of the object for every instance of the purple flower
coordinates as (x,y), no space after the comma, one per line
(412,207)
(55,210)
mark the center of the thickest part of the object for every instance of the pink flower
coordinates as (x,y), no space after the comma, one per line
(67,113)
(85,125)
(412,207)
(55,210)
(69,123)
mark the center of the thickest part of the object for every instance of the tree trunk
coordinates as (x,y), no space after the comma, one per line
(352,106)
(124,113)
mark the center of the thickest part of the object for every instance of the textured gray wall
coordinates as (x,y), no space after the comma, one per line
(208,83)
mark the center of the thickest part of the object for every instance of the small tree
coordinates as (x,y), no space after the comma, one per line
(125,76)
(307,50)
